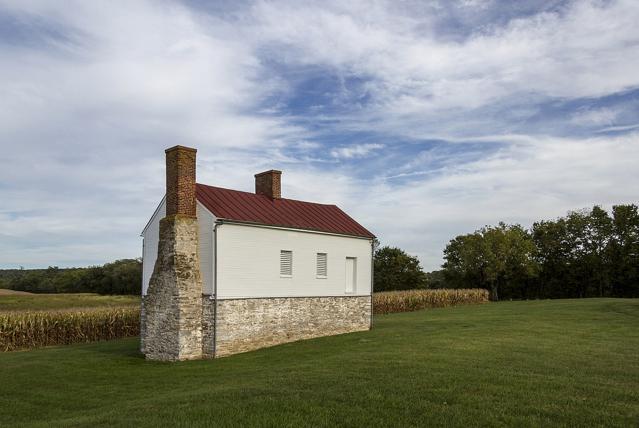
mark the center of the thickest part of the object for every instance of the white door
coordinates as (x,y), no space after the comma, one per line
(351,274)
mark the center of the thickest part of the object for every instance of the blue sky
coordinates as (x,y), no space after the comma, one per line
(423,120)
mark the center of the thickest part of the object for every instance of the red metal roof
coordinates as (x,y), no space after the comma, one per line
(251,208)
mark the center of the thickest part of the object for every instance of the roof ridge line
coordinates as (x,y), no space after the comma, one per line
(255,194)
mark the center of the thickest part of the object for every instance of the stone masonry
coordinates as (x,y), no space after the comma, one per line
(173,305)
(172,309)
(248,324)
(208,327)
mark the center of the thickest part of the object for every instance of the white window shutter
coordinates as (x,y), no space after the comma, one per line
(286,263)
(322,265)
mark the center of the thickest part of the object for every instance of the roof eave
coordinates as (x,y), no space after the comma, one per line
(285,227)
(154,213)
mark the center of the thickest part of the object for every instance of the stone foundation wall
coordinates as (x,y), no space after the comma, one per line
(208,327)
(247,324)
(142,326)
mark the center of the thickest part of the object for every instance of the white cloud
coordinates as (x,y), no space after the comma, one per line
(618,128)
(419,82)
(595,117)
(355,150)
(97,90)
(89,103)
(523,182)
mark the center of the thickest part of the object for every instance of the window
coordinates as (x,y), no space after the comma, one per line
(322,267)
(286,263)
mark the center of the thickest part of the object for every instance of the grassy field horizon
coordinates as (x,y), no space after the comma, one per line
(531,363)
(16,301)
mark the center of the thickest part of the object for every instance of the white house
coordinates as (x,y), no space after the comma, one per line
(261,269)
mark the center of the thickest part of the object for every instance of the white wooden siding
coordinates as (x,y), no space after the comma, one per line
(206,221)
(151,236)
(249,263)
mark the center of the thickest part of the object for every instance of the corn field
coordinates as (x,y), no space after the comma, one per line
(23,330)
(387,302)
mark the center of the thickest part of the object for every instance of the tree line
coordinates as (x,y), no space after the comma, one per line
(587,253)
(119,277)
(395,269)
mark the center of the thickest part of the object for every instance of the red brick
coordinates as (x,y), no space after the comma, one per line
(180,181)
(269,183)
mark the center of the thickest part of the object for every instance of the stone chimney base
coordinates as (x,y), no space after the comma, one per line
(172,308)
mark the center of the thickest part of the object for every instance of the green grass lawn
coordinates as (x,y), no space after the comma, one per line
(44,302)
(538,363)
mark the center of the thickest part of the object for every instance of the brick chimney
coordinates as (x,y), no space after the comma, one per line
(180,181)
(171,317)
(269,183)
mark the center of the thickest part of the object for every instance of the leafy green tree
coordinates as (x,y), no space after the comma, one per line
(465,262)
(499,258)
(574,254)
(122,277)
(598,234)
(436,279)
(119,277)
(396,270)
(624,251)
(554,249)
